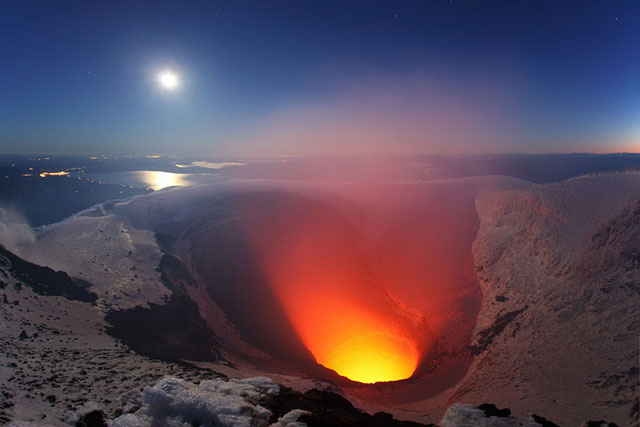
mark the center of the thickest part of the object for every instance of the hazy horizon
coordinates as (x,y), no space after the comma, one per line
(319,79)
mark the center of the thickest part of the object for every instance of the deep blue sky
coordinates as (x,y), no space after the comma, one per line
(312,77)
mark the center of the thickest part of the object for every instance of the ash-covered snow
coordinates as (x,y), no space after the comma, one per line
(462,415)
(55,354)
(119,260)
(27,424)
(178,403)
(290,419)
(557,333)
(80,414)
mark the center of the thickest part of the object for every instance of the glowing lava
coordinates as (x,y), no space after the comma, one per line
(351,339)
(376,356)
(369,357)
(343,315)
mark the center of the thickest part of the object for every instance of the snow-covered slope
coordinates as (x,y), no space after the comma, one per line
(119,260)
(559,268)
(557,265)
(55,354)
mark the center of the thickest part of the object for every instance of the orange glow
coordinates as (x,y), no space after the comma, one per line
(44,174)
(369,277)
(376,356)
(365,350)
(345,336)
(344,317)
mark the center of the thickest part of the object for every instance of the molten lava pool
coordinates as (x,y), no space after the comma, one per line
(369,353)
(356,280)
(340,309)
(356,343)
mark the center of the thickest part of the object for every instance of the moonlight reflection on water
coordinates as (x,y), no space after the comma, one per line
(158,180)
(155,180)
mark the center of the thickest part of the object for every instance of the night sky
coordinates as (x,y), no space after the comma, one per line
(323,77)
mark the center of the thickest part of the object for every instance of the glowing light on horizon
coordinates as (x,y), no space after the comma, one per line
(62,173)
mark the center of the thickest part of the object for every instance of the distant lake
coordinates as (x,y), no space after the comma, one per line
(155,180)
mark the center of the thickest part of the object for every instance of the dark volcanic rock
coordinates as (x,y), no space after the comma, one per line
(492,411)
(599,423)
(172,331)
(44,280)
(327,409)
(543,421)
(92,419)
(486,336)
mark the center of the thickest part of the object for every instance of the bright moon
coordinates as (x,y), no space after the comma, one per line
(168,80)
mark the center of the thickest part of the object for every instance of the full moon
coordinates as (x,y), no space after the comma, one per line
(168,80)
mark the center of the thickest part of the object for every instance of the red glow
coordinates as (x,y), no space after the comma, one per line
(367,284)
(344,317)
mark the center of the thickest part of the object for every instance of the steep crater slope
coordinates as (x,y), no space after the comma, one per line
(559,268)
(59,367)
(552,276)
(55,353)
(272,260)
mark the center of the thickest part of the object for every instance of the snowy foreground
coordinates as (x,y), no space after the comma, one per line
(173,402)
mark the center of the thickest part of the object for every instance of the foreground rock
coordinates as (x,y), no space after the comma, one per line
(55,354)
(257,401)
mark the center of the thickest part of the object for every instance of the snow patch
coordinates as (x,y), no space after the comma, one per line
(462,415)
(177,403)
(290,419)
(74,417)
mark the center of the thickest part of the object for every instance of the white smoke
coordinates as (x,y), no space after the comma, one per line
(14,232)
